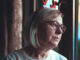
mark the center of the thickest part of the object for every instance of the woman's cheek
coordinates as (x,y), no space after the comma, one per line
(50,33)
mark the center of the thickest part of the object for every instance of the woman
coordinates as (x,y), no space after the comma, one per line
(44,33)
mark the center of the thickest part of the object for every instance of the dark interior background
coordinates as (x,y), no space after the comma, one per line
(65,46)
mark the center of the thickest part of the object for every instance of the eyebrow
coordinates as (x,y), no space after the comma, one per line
(55,21)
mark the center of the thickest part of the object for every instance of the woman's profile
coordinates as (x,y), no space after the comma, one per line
(44,34)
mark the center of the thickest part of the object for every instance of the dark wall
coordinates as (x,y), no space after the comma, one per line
(65,47)
(1,28)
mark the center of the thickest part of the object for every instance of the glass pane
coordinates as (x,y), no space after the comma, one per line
(73,29)
(79,31)
(79,22)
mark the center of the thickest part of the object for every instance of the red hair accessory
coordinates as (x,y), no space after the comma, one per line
(48,4)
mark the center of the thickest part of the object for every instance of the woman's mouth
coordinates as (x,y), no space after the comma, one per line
(56,38)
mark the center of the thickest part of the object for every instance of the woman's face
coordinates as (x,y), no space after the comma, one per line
(49,33)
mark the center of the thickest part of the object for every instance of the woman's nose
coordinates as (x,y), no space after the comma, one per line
(58,31)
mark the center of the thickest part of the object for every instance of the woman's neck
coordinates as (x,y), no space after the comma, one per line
(39,53)
(36,52)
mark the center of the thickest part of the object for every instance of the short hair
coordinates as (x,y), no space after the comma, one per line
(39,16)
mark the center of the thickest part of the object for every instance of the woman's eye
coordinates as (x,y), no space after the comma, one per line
(63,27)
(54,25)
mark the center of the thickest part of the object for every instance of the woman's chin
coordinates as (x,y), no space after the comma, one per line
(50,45)
(54,44)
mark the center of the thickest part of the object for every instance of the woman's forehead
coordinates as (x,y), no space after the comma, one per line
(57,19)
(50,15)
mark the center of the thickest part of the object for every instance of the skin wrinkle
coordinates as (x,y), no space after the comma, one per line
(45,32)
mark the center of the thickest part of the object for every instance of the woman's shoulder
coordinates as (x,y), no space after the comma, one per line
(15,55)
(56,55)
